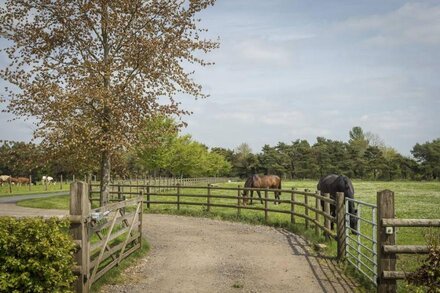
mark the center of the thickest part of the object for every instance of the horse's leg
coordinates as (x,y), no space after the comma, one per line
(259,195)
(333,213)
(252,196)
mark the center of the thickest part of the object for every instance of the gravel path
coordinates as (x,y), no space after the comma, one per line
(203,255)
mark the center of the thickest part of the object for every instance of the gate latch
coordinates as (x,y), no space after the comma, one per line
(389,230)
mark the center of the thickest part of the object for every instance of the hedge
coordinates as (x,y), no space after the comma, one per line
(36,255)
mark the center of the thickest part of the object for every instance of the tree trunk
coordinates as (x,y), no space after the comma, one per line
(105,159)
(105,178)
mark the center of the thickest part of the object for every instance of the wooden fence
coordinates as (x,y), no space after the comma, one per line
(104,236)
(316,217)
(387,247)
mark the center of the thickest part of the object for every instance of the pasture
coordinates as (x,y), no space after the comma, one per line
(39,188)
(413,200)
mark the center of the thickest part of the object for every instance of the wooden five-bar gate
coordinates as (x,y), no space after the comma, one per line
(104,236)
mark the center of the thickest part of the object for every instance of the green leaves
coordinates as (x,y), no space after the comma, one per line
(35,255)
(428,154)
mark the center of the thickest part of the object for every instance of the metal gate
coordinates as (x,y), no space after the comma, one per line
(361,247)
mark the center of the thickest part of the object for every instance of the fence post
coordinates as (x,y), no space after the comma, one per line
(265,205)
(148,195)
(208,208)
(327,212)
(306,209)
(61,182)
(317,207)
(119,193)
(385,261)
(292,206)
(141,212)
(178,196)
(80,209)
(238,201)
(340,225)
(30,182)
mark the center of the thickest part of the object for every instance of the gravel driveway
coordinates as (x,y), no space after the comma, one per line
(203,255)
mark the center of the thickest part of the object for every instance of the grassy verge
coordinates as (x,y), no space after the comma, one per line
(60,202)
(23,190)
(413,200)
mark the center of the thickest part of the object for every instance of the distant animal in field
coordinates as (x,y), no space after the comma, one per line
(22,180)
(266,181)
(48,180)
(338,183)
(4,179)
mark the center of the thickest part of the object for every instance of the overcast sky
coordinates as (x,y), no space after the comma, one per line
(290,70)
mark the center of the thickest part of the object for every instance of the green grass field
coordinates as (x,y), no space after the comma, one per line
(24,189)
(413,200)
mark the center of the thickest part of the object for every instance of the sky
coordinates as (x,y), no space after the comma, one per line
(288,70)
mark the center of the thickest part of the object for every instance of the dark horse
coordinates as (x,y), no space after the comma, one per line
(266,181)
(335,183)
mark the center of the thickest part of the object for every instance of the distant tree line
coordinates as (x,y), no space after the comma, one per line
(364,156)
(164,152)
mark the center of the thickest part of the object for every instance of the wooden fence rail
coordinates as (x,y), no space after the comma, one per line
(320,219)
(387,247)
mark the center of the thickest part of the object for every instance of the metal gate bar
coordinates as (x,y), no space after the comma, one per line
(362,248)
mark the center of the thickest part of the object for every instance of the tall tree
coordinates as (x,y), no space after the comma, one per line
(428,155)
(245,162)
(92,71)
(374,160)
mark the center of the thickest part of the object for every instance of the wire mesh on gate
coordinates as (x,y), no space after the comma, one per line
(361,247)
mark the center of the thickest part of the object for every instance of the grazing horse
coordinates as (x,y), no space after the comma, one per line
(334,183)
(48,180)
(266,181)
(22,180)
(4,178)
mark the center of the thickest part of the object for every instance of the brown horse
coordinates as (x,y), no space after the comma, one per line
(266,181)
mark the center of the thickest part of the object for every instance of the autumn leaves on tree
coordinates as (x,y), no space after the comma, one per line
(92,72)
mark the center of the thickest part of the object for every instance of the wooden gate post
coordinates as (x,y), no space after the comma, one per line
(79,213)
(385,261)
(340,225)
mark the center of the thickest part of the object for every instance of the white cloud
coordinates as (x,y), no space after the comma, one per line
(257,51)
(412,23)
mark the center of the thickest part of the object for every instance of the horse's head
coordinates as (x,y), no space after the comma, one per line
(349,193)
